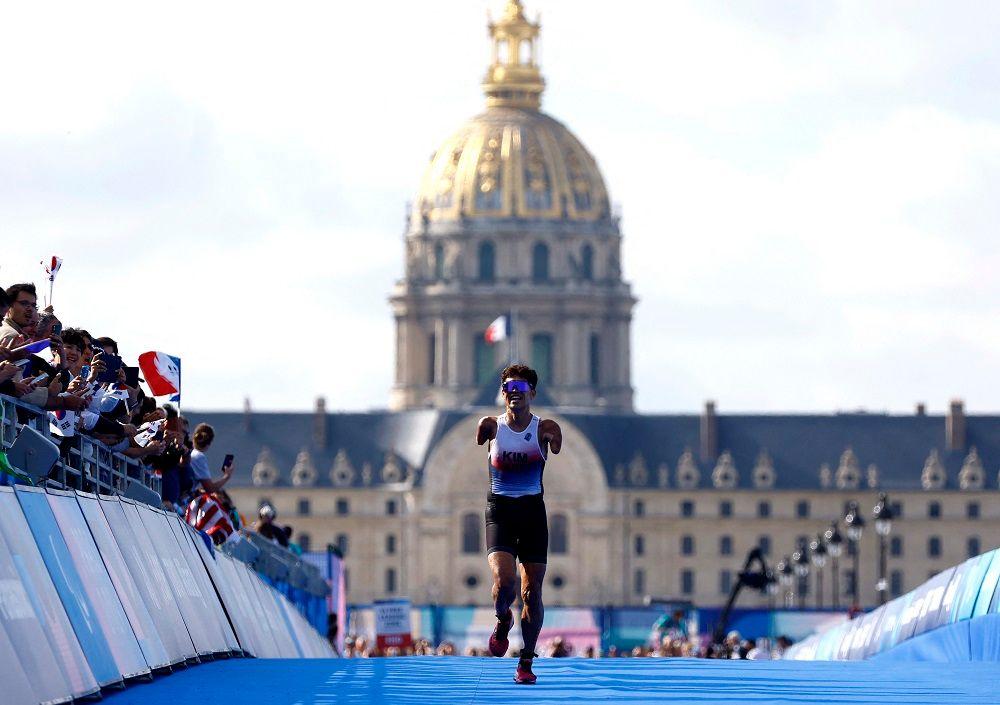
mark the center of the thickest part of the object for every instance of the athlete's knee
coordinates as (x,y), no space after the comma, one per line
(504,587)
(532,595)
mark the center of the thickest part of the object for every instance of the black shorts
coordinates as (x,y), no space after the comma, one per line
(518,526)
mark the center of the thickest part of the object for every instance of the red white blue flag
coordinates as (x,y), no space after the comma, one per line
(52,267)
(497,330)
(162,373)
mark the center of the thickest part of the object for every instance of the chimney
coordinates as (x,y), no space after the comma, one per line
(709,433)
(319,424)
(921,409)
(954,426)
(247,415)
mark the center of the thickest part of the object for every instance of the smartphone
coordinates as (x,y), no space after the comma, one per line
(40,378)
(112,363)
(132,376)
(85,372)
(227,462)
(23,363)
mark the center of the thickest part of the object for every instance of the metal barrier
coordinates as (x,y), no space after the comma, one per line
(85,464)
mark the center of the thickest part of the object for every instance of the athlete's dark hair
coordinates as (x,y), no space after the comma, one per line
(522,371)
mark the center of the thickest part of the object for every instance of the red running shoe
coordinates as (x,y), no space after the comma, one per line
(498,639)
(523,674)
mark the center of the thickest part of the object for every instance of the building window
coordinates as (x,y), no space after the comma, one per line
(558,582)
(933,510)
(540,262)
(305,542)
(471,533)
(438,261)
(725,581)
(764,544)
(483,360)
(687,545)
(848,583)
(342,544)
(802,509)
(390,544)
(541,356)
(973,547)
(897,510)
(763,509)
(390,581)
(595,359)
(303,507)
(587,262)
(687,508)
(639,508)
(558,534)
(725,508)
(487,260)
(343,507)
(640,545)
(934,547)
(972,510)
(471,581)
(390,507)
(431,359)
(896,546)
(687,582)
(725,545)
(896,583)
(639,581)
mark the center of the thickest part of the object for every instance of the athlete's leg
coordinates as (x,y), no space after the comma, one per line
(532,576)
(504,582)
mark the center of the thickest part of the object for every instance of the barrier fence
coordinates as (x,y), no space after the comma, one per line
(98,590)
(954,616)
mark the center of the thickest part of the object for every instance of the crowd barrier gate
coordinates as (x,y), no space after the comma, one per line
(96,591)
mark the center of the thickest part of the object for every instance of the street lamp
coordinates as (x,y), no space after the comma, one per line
(785,578)
(883,526)
(855,524)
(801,559)
(818,548)
(835,547)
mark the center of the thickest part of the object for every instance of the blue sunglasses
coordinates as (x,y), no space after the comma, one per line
(516,385)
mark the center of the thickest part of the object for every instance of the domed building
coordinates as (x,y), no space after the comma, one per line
(512,219)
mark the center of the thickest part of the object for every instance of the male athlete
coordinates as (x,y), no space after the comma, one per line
(516,525)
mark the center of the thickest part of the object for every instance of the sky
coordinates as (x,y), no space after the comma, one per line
(808,190)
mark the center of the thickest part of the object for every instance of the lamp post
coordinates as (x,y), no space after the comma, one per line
(801,560)
(855,524)
(785,578)
(818,549)
(835,547)
(883,527)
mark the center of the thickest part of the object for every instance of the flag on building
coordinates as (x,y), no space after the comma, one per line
(162,373)
(497,330)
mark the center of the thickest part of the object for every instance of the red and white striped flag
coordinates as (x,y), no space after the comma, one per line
(497,330)
(205,513)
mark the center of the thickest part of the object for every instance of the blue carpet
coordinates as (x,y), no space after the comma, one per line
(564,681)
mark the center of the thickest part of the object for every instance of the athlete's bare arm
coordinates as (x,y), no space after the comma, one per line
(550,432)
(487,429)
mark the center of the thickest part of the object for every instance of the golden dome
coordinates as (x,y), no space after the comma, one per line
(512,161)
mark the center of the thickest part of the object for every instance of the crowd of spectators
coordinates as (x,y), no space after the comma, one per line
(671,646)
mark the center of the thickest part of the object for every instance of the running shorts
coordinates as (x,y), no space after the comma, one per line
(518,526)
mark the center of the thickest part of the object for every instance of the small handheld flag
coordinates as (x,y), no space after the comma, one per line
(497,330)
(51,267)
(162,373)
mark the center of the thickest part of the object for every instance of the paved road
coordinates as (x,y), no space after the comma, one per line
(445,680)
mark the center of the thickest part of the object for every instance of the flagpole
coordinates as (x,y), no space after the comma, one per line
(513,336)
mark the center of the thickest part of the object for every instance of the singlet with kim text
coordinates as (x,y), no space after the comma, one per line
(516,460)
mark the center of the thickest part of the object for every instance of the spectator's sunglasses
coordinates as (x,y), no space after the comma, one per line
(516,385)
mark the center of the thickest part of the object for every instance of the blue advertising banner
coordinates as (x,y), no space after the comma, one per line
(140,555)
(97,583)
(989,587)
(143,626)
(45,599)
(965,586)
(69,585)
(240,610)
(932,595)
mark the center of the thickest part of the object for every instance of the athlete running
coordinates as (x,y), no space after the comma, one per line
(516,525)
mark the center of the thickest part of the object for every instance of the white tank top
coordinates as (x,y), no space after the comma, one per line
(516,460)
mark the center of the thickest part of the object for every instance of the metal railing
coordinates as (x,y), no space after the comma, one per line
(84,463)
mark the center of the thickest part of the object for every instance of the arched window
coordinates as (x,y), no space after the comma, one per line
(487,262)
(687,545)
(471,533)
(305,542)
(438,261)
(558,534)
(540,262)
(595,359)
(725,545)
(587,262)
(342,544)
(541,356)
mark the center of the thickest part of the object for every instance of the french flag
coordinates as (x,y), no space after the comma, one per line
(162,373)
(497,330)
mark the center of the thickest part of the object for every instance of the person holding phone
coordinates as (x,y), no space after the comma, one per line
(200,474)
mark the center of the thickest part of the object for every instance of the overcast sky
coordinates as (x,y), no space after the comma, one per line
(809,189)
